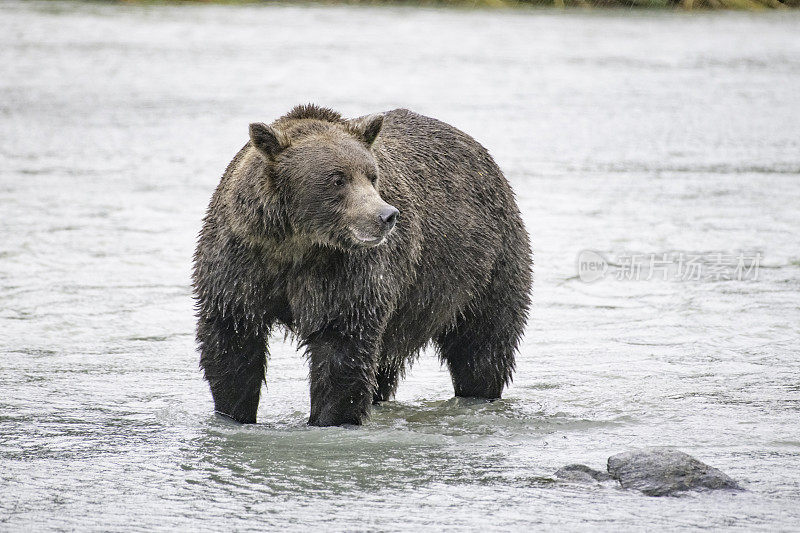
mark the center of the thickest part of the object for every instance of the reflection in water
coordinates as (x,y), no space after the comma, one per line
(621,133)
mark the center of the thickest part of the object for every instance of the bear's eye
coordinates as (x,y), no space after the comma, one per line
(338,179)
(373,178)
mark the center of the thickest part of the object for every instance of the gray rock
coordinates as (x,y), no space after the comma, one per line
(662,472)
(581,473)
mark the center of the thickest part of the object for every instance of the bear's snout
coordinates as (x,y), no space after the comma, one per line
(372,229)
(388,217)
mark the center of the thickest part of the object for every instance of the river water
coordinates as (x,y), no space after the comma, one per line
(630,133)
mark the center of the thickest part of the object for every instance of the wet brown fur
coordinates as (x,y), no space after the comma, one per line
(277,249)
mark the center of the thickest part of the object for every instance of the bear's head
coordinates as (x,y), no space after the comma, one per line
(325,173)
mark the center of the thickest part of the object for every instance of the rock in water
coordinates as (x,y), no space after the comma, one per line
(581,473)
(662,472)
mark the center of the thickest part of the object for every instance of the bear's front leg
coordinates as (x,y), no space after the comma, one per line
(233,358)
(342,379)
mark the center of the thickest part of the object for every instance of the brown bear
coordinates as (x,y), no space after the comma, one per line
(366,239)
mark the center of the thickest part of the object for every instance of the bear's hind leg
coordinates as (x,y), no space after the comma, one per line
(480,357)
(480,350)
(234,362)
(387,378)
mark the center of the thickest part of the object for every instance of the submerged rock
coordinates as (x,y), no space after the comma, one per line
(661,472)
(581,473)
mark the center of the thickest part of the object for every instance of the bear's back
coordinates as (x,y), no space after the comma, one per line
(457,214)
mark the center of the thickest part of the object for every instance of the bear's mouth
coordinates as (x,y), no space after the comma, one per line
(367,240)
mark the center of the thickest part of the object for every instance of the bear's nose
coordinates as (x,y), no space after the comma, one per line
(388,216)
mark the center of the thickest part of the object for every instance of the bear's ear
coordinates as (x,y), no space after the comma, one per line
(267,139)
(367,128)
